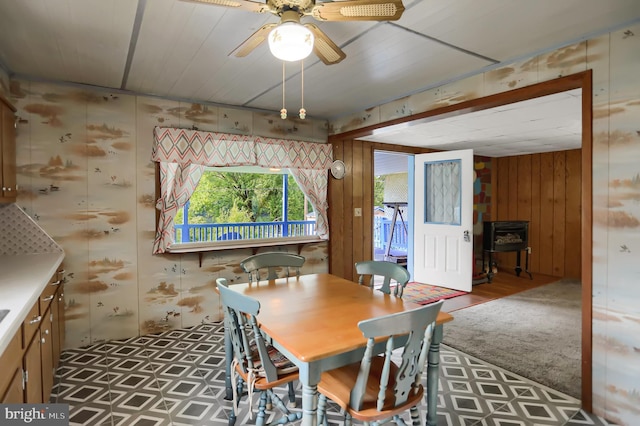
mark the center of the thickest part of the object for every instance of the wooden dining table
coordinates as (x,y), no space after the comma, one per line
(313,320)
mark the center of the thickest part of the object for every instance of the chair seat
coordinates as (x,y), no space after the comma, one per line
(337,384)
(282,363)
(287,371)
(261,382)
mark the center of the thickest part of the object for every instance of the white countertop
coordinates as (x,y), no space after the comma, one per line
(22,279)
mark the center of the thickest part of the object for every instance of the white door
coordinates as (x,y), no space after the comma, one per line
(443,219)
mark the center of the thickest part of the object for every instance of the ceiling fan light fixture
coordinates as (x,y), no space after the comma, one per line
(291,41)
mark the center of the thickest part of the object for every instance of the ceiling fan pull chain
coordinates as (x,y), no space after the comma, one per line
(283,111)
(303,112)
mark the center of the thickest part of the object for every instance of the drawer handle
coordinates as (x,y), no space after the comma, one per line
(56,282)
(46,332)
(48,298)
(43,340)
(36,320)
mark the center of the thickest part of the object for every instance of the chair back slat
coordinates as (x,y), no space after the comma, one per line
(384,376)
(417,326)
(271,261)
(388,270)
(240,313)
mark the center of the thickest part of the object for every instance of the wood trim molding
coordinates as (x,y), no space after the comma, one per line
(587,240)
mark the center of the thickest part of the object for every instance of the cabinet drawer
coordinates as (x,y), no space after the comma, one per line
(31,324)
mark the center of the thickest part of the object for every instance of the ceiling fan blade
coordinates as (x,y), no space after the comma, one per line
(324,47)
(254,40)
(247,5)
(358,10)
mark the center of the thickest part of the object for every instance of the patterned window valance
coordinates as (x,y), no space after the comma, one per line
(183,154)
(289,154)
(187,146)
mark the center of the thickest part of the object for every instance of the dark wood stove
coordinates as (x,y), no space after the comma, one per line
(505,236)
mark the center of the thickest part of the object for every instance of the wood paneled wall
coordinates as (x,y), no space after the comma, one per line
(544,189)
(351,237)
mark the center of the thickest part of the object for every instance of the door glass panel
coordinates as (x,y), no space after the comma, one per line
(442,192)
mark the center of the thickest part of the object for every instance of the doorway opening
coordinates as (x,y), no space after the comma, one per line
(391,224)
(581,81)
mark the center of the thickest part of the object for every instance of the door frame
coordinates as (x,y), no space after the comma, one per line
(582,80)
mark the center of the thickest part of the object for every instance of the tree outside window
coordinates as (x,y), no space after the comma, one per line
(252,196)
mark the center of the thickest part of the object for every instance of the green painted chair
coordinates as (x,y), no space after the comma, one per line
(271,261)
(388,270)
(378,388)
(255,363)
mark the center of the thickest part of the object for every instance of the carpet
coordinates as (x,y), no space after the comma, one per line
(535,334)
(423,294)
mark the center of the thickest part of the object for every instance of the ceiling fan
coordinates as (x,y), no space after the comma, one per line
(290,11)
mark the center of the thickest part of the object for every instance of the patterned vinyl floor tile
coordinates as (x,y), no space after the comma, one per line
(177,378)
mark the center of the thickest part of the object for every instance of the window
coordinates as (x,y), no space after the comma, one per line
(183,155)
(231,205)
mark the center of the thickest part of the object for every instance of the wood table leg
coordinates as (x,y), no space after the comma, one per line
(309,376)
(309,405)
(433,376)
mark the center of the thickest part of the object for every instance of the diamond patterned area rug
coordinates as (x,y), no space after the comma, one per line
(423,294)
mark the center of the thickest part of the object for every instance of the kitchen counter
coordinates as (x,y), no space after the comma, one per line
(22,279)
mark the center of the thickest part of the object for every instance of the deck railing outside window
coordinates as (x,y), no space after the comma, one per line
(191,232)
(381,231)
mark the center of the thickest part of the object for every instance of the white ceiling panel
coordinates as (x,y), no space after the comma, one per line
(83,41)
(386,163)
(386,59)
(524,127)
(184,52)
(495,31)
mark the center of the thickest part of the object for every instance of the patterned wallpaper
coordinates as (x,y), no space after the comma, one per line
(86,177)
(615,62)
(21,234)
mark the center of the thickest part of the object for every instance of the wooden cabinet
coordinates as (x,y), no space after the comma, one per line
(61,330)
(32,361)
(57,326)
(7,152)
(46,354)
(14,392)
(11,382)
(34,352)
(56,320)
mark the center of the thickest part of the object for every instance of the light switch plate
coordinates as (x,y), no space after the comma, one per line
(357,212)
